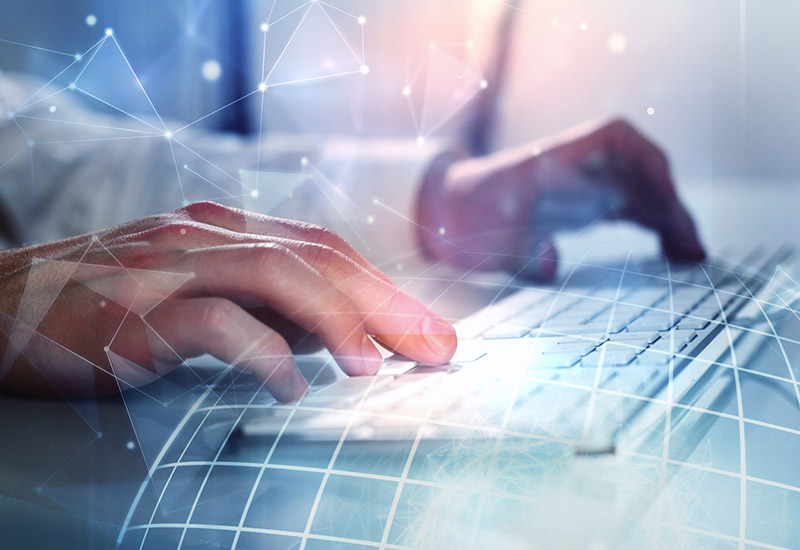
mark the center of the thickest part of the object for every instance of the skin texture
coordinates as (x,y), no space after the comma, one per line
(495,210)
(202,279)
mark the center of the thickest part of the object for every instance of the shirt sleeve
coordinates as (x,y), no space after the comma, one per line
(66,170)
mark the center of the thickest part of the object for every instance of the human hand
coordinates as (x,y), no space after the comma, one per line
(98,313)
(498,212)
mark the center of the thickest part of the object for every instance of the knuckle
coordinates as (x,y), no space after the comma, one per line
(329,262)
(270,259)
(203,209)
(216,315)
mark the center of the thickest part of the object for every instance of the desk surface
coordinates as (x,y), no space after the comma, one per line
(78,466)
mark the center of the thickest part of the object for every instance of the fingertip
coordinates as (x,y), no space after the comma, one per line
(541,262)
(440,337)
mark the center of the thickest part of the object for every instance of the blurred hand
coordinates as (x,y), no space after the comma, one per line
(498,211)
(99,313)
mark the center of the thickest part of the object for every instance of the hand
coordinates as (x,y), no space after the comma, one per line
(498,212)
(99,313)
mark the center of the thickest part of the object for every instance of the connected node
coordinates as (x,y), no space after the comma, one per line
(10,115)
(185,166)
(264,27)
(362,20)
(72,86)
(420,141)
(106,349)
(651,111)
(185,202)
(406,91)
(254,193)
(484,84)
(211,70)
(78,57)
(168,135)
(375,201)
(130,445)
(364,69)
(31,143)
(262,87)
(441,231)
(109,31)
(99,435)
(617,42)
(370,219)
(91,20)
(52,108)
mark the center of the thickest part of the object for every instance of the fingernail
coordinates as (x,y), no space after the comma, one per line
(299,385)
(370,355)
(438,334)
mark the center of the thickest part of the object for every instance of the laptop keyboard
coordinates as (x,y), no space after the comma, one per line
(573,363)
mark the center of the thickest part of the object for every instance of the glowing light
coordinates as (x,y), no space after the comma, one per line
(254,193)
(617,43)
(264,27)
(78,57)
(91,20)
(52,108)
(72,86)
(262,87)
(31,143)
(304,161)
(470,44)
(584,26)
(536,151)
(484,84)
(420,141)
(109,31)
(182,231)
(406,91)
(554,22)
(103,303)
(168,135)
(130,445)
(651,111)
(370,219)
(364,69)
(211,70)
(441,231)
(362,20)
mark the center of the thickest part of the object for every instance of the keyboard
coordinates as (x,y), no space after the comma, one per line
(575,363)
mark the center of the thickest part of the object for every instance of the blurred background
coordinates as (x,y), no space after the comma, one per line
(716,83)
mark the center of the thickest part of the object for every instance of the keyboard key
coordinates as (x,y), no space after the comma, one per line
(555,360)
(500,332)
(653,320)
(614,355)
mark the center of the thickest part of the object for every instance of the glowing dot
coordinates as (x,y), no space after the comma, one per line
(484,84)
(38,489)
(168,135)
(109,31)
(72,85)
(651,111)
(254,193)
(31,143)
(370,219)
(554,22)
(105,349)
(78,57)
(91,20)
(262,87)
(536,151)
(432,46)
(375,201)
(130,445)
(441,231)
(211,70)
(420,141)
(264,27)
(406,91)
(10,114)
(304,161)
(362,20)
(185,166)
(99,435)
(52,108)
(470,44)
(584,26)
(399,267)
(103,303)
(617,42)
(182,231)
(185,202)
(364,69)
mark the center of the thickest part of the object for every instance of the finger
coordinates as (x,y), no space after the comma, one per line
(538,262)
(271,275)
(242,221)
(217,326)
(679,238)
(399,320)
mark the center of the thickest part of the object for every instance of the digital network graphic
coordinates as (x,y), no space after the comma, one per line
(482,456)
